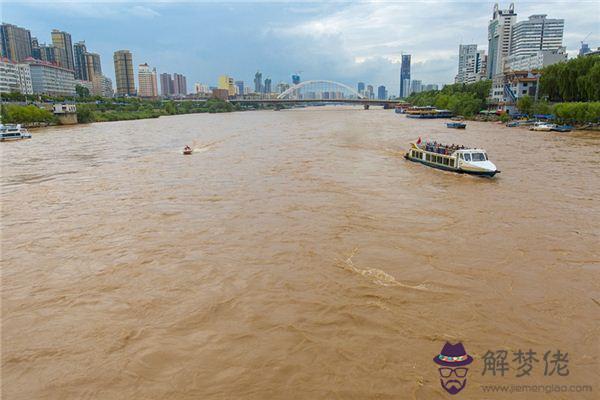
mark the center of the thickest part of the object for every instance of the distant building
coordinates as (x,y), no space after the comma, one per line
(510,86)
(267,88)
(258,85)
(535,34)
(431,86)
(227,83)
(35,48)
(51,79)
(15,42)
(102,86)
(222,94)
(15,77)
(593,52)
(499,38)
(64,47)
(416,86)
(166,85)
(369,92)
(361,87)
(147,81)
(79,51)
(585,48)
(471,64)
(536,60)
(405,76)
(179,84)
(123,61)
(86,84)
(199,88)
(239,87)
(47,53)
(92,65)
(381,93)
(295,79)
(282,87)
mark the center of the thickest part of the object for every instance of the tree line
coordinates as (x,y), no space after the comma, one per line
(460,98)
(575,80)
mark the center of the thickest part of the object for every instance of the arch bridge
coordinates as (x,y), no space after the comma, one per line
(320,90)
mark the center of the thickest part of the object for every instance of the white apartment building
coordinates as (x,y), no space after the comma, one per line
(472,64)
(499,38)
(536,33)
(15,77)
(50,79)
(536,60)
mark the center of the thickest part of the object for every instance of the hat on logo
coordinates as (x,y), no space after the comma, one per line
(453,355)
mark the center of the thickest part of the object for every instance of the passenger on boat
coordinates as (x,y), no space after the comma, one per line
(187,148)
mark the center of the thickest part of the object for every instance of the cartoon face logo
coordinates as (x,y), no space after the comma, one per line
(452,361)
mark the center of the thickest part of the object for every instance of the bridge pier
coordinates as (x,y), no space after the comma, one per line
(366,106)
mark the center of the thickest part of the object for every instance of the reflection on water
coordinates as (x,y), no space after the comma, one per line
(295,254)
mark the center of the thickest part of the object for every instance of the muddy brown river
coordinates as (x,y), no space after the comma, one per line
(295,255)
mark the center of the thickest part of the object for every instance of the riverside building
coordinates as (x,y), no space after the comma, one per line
(51,79)
(124,73)
(15,77)
(147,81)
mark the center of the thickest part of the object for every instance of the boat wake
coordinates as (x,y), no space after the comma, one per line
(376,275)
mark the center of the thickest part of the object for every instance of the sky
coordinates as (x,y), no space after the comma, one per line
(344,41)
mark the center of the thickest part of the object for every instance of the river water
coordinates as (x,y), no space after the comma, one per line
(295,254)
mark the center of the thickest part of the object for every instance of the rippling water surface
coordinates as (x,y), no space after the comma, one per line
(295,254)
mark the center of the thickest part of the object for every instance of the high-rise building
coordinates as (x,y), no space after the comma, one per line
(92,65)
(102,86)
(267,88)
(15,42)
(62,41)
(405,76)
(361,87)
(416,86)
(124,73)
(166,84)
(499,38)
(48,53)
(258,85)
(535,61)
(15,77)
(536,33)
(431,86)
(147,81)
(239,87)
(79,51)
(369,92)
(381,93)
(227,83)
(179,84)
(295,79)
(471,64)
(36,53)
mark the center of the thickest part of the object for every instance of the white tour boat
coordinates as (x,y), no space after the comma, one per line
(13,132)
(452,158)
(542,126)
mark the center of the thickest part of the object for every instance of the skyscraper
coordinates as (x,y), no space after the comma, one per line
(15,42)
(471,64)
(179,84)
(537,33)
(124,73)
(416,86)
(64,47)
(267,88)
(361,87)
(147,81)
(381,93)
(166,84)
(48,53)
(369,93)
(240,87)
(35,49)
(92,65)
(79,51)
(405,76)
(499,38)
(258,85)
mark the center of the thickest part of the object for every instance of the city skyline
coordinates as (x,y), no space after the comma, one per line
(337,41)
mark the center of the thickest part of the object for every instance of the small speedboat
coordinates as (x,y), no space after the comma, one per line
(187,151)
(13,132)
(456,125)
(562,128)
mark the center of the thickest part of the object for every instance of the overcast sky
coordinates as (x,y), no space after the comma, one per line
(343,41)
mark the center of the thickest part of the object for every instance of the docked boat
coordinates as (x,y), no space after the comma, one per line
(462,160)
(562,128)
(456,125)
(13,132)
(542,126)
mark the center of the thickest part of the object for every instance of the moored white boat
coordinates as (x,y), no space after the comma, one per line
(462,160)
(13,132)
(542,126)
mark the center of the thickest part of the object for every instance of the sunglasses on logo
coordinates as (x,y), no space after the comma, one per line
(459,372)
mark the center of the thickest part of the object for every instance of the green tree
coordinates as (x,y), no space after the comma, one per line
(82,91)
(525,104)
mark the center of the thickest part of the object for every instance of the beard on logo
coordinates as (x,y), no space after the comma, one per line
(453,386)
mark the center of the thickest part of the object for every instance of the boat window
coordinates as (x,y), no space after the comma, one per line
(452,162)
(478,157)
(446,161)
(467,157)
(427,157)
(460,156)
